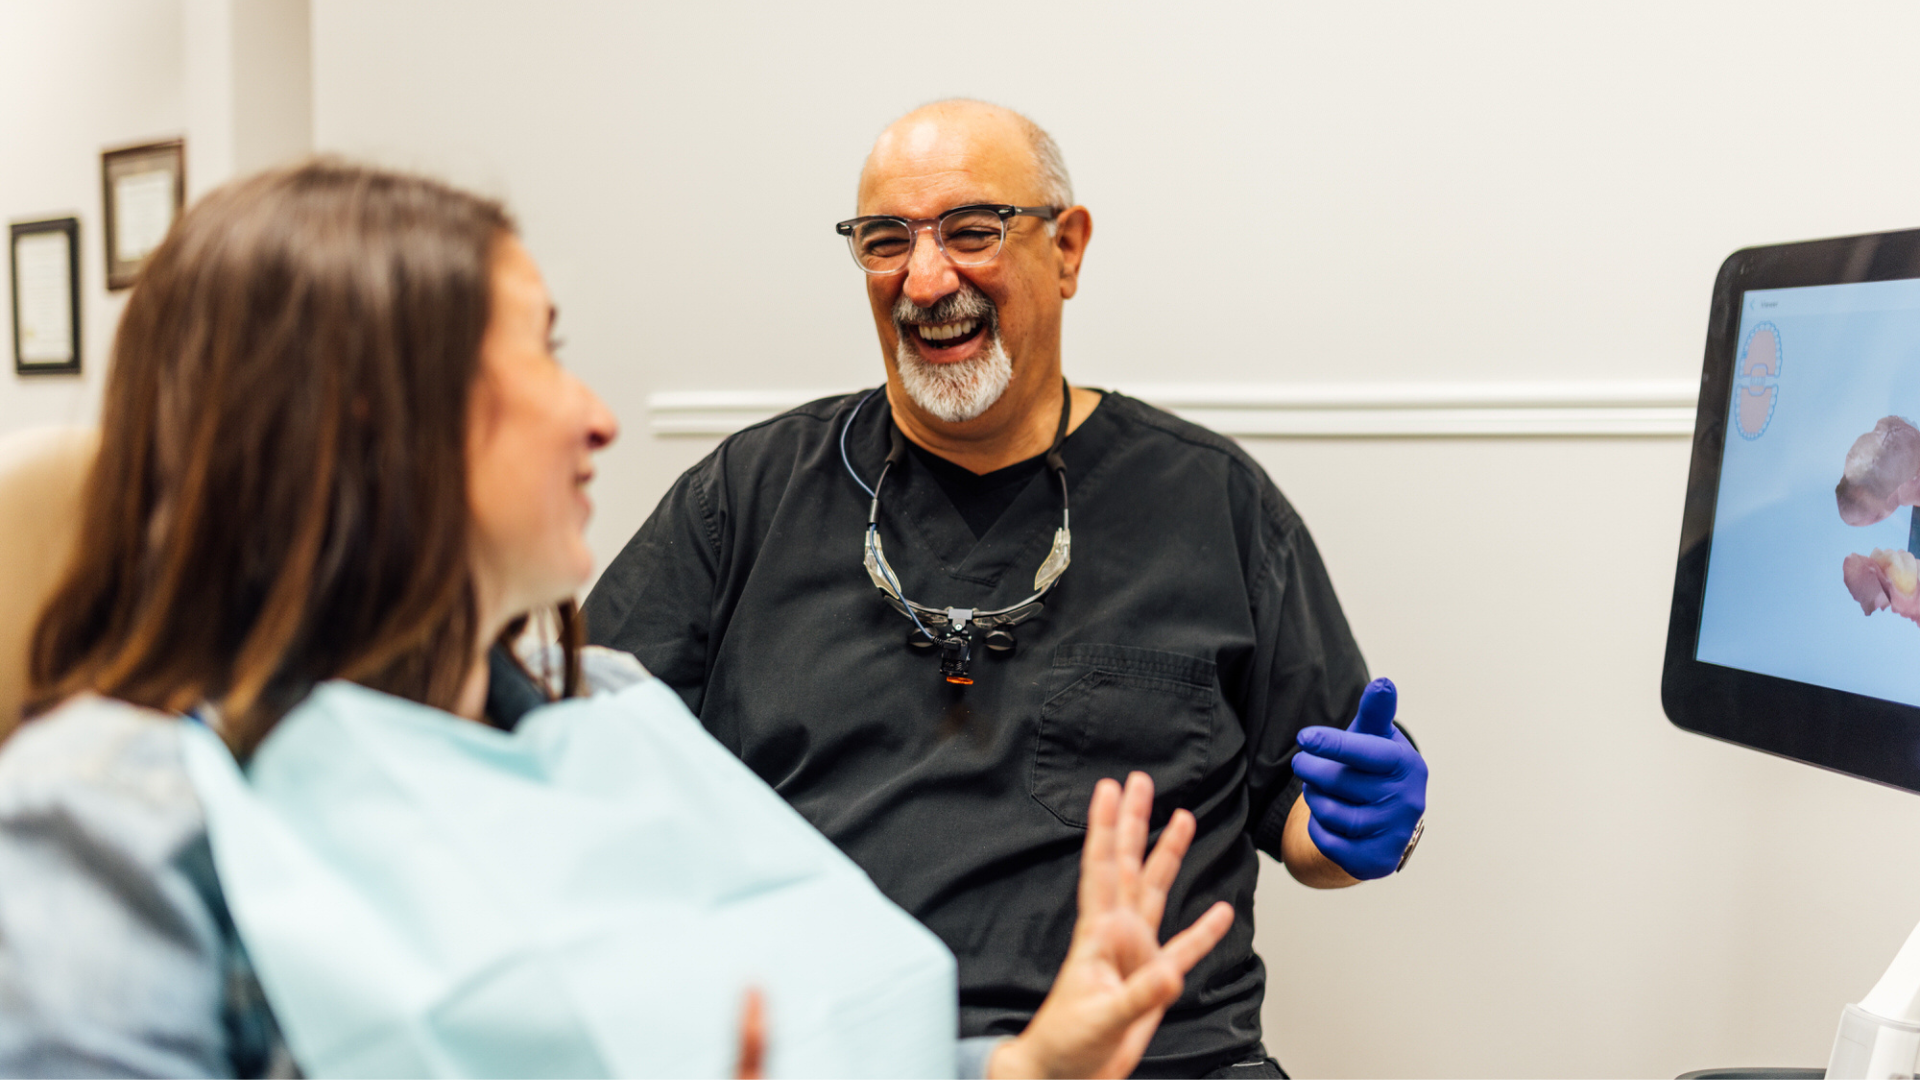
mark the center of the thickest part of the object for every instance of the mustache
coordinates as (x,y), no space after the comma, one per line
(968,302)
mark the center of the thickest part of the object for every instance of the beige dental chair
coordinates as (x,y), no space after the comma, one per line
(41,473)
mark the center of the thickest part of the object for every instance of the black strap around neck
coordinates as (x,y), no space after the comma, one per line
(1054,460)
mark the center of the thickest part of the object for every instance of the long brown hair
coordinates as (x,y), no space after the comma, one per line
(280,496)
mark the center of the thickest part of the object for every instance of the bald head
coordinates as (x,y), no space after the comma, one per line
(962,134)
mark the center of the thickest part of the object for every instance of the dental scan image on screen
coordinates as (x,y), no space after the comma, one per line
(1812,573)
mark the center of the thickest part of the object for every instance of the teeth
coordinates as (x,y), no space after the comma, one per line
(1903,573)
(949,331)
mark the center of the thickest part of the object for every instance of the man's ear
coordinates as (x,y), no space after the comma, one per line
(1072,229)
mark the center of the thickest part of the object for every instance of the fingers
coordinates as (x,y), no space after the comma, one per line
(1098,884)
(1131,1046)
(1348,820)
(1329,777)
(1368,753)
(753,1037)
(1104,1007)
(1325,774)
(1359,858)
(1163,866)
(1190,946)
(1130,845)
(1375,715)
(1151,987)
(1136,808)
(1113,872)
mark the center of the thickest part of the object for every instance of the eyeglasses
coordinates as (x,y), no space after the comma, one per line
(969,235)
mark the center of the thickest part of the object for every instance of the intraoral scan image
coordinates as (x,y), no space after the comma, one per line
(1882,475)
(1826,380)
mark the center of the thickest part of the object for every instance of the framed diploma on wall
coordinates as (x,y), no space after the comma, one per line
(45,266)
(144,188)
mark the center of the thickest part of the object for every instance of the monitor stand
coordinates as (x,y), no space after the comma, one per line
(1880,1037)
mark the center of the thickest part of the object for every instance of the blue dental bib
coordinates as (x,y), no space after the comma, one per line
(590,895)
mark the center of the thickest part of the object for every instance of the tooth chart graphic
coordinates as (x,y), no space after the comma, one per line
(1882,474)
(1756,381)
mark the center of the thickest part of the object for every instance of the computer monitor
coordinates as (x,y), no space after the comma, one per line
(1795,626)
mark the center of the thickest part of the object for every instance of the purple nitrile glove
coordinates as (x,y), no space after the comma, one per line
(1366,787)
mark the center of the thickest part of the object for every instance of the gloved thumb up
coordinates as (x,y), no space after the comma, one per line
(1366,787)
(1377,704)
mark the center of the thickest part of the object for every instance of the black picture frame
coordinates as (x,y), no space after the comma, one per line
(70,227)
(167,156)
(1866,737)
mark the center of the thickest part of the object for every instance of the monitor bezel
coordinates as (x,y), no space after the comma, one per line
(1861,736)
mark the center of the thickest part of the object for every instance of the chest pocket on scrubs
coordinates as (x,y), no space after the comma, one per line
(1120,709)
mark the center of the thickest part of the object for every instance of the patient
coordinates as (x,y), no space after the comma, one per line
(337,446)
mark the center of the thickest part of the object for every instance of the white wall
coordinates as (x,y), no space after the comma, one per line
(248,86)
(1598,893)
(76,77)
(81,76)
(1294,193)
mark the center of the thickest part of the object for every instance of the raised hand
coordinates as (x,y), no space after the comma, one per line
(1118,979)
(1365,787)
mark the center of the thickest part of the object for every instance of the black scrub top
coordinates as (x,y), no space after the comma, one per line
(1195,633)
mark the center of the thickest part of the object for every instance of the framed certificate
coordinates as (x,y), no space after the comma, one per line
(45,260)
(144,188)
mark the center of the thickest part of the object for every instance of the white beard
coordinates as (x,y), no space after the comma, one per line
(955,392)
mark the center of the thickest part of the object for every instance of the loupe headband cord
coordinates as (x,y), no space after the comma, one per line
(897,449)
(848,462)
(894,453)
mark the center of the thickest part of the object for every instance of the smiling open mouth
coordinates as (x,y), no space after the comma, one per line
(948,335)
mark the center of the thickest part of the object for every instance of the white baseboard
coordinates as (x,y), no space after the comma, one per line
(1662,408)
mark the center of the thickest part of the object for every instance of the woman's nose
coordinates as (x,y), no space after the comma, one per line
(602,426)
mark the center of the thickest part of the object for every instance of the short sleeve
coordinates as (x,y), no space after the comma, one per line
(113,956)
(656,598)
(1307,671)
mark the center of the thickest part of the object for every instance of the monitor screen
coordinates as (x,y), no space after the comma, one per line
(1796,619)
(1812,575)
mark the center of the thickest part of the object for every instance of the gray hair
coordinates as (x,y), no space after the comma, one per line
(1056,187)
